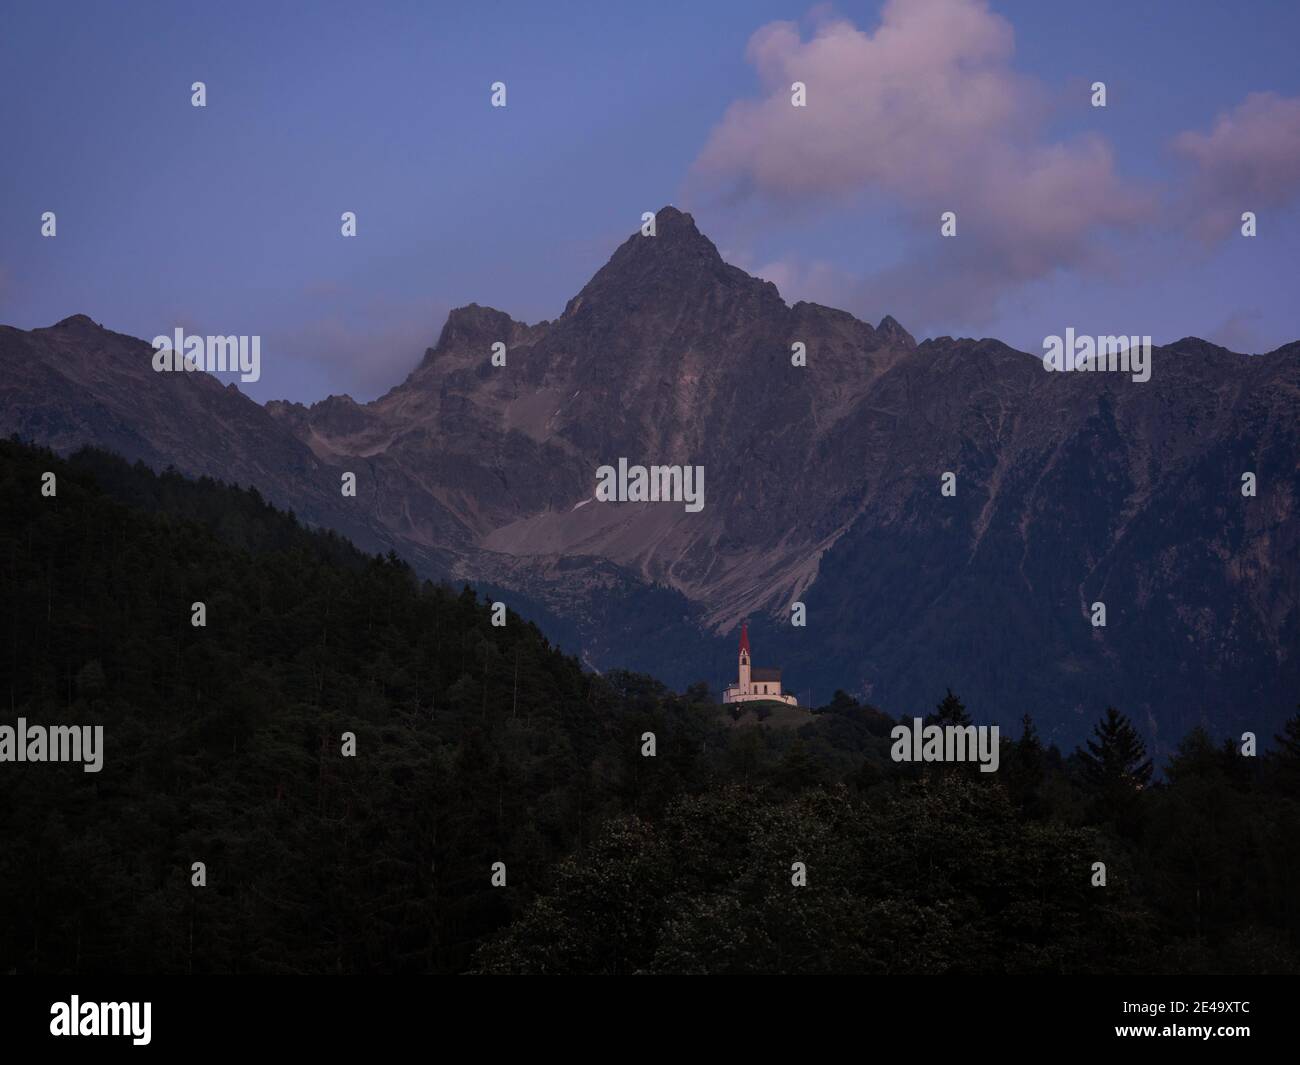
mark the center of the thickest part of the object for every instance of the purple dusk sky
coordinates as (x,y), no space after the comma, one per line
(225,219)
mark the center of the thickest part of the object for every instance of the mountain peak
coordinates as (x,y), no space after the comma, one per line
(1197,346)
(890,328)
(474,324)
(676,233)
(671,218)
(76,320)
(676,261)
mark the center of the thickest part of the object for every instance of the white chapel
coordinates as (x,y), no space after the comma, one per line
(756,683)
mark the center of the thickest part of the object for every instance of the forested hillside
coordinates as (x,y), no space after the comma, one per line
(478,744)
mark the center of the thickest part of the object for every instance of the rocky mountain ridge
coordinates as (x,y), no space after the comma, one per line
(822,484)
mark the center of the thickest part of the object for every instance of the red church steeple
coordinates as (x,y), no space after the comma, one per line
(744,637)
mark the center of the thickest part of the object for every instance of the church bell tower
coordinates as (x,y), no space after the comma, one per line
(744,657)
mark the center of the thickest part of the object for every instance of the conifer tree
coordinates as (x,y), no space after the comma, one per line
(951,711)
(1028,768)
(1287,756)
(1289,742)
(1116,770)
(1117,758)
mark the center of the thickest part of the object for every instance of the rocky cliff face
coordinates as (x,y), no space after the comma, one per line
(822,484)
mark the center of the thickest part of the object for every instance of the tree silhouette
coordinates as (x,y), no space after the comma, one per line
(1027,769)
(1289,741)
(951,711)
(1116,770)
(1117,758)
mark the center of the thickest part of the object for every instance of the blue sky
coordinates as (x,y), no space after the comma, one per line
(225,219)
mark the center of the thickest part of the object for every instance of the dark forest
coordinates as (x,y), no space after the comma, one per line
(479,744)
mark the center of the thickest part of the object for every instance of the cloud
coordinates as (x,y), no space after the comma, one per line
(928,113)
(798,278)
(908,104)
(361,346)
(1248,161)
(1240,331)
